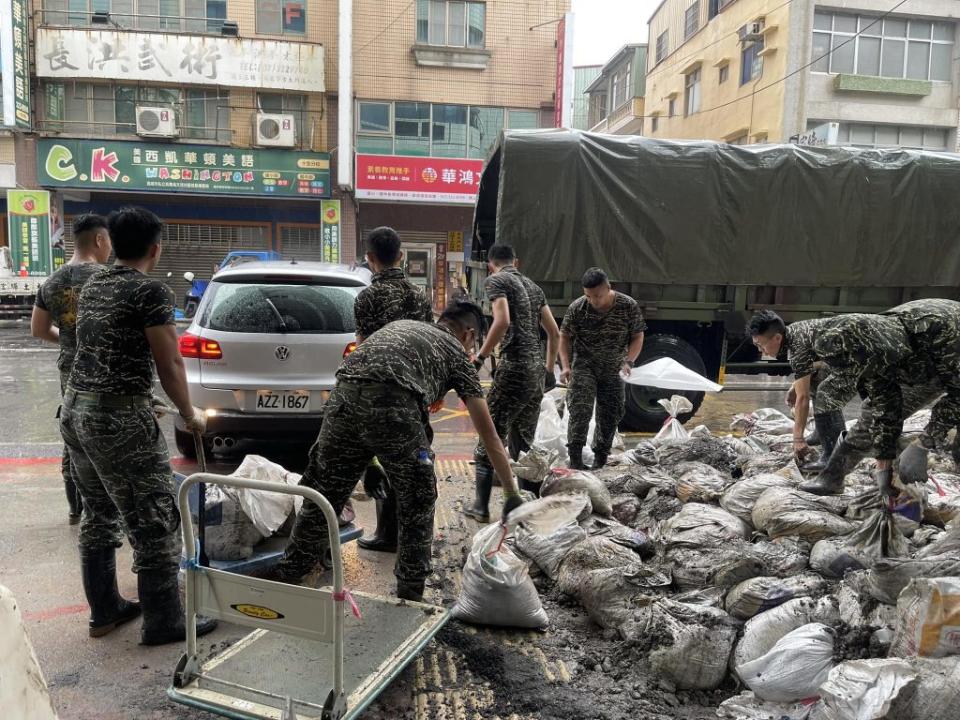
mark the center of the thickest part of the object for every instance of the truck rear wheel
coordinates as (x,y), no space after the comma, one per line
(643,412)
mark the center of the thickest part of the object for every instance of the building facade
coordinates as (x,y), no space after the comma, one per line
(616,96)
(748,71)
(583,77)
(222,117)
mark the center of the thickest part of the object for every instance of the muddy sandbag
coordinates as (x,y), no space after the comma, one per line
(549,551)
(774,462)
(711,597)
(700,526)
(878,537)
(759,594)
(782,557)
(689,644)
(762,420)
(928,618)
(624,508)
(230,533)
(763,631)
(943,498)
(740,498)
(636,540)
(706,449)
(946,543)
(934,695)
(564,481)
(864,689)
(747,706)
(794,667)
(699,482)
(694,568)
(643,481)
(785,511)
(887,578)
(534,465)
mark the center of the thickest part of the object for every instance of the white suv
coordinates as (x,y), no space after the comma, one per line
(264,347)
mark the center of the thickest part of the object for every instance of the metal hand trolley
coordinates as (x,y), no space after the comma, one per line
(308,657)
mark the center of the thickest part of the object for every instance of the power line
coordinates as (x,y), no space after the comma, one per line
(386,27)
(798,70)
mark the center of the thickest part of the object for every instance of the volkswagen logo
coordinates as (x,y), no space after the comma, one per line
(282,353)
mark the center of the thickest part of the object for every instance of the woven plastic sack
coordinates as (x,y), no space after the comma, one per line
(673,429)
(700,483)
(864,689)
(794,668)
(564,481)
(763,420)
(763,631)
(785,511)
(703,526)
(268,511)
(934,695)
(759,594)
(928,619)
(887,578)
(877,537)
(549,551)
(739,498)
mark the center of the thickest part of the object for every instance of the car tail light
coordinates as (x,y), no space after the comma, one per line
(192,346)
(349,348)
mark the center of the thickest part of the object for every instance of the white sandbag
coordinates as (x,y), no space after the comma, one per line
(943,498)
(763,631)
(230,533)
(772,462)
(934,695)
(549,551)
(785,511)
(691,644)
(740,498)
(673,429)
(759,594)
(551,435)
(547,514)
(667,374)
(747,706)
(928,619)
(535,465)
(887,578)
(878,534)
(496,588)
(698,526)
(267,511)
(701,483)
(762,420)
(565,481)
(695,568)
(864,689)
(794,668)
(23,690)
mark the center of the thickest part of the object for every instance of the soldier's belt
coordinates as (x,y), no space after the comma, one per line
(82,398)
(373,389)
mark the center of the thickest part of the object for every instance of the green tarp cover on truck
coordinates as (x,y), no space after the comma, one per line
(664,212)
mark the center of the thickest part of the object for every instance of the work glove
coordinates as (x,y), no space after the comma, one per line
(913,464)
(511,501)
(158,406)
(884,480)
(478,361)
(375,481)
(196,422)
(549,379)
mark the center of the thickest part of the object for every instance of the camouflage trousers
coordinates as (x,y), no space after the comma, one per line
(362,421)
(121,465)
(589,386)
(514,402)
(915,397)
(70,486)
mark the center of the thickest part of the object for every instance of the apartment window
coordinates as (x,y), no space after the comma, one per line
(281,17)
(892,47)
(110,109)
(434,129)
(654,124)
(751,64)
(171,15)
(672,107)
(662,45)
(891,136)
(739,140)
(451,23)
(292,104)
(598,108)
(691,20)
(691,96)
(723,74)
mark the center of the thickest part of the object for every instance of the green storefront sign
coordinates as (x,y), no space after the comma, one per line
(181,168)
(28,228)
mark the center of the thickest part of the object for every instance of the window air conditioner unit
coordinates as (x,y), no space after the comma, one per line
(156,122)
(751,32)
(273,130)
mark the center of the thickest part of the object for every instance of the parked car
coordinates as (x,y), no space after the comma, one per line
(264,347)
(198,286)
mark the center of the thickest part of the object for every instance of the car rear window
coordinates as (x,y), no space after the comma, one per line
(279,308)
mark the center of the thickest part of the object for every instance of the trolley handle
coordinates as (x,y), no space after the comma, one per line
(333,528)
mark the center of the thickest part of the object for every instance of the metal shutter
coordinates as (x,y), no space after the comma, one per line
(298,242)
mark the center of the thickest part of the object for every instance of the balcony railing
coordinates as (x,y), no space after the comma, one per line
(623,111)
(136,21)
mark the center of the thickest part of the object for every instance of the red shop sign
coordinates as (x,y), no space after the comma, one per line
(418,179)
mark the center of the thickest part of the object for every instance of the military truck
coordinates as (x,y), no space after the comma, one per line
(702,234)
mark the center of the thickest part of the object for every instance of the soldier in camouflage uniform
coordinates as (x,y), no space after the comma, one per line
(518,381)
(55,316)
(917,339)
(125,330)
(390,296)
(604,330)
(380,408)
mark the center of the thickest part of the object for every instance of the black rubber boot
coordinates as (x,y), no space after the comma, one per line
(384,538)
(412,591)
(163,617)
(830,482)
(830,426)
(599,460)
(576,458)
(108,610)
(480,510)
(74,501)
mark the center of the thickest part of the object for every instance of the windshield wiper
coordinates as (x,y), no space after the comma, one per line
(283,325)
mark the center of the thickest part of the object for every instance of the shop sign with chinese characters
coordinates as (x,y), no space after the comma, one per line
(180,59)
(197,169)
(418,179)
(14,48)
(28,227)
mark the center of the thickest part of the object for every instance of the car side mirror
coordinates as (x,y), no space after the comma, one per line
(188,276)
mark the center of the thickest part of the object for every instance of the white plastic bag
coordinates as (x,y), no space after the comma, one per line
(764,420)
(673,429)
(563,481)
(549,551)
(864,689)
(928,619)
(23,691)
(551,435)
(763,631)
(667,374)
(794,668)
(266,510)
(747,706)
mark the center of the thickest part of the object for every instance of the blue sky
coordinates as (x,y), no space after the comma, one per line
(601,27)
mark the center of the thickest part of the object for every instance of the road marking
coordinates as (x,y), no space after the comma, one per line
(43,615)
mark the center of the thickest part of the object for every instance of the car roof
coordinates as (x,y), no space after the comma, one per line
(295,268)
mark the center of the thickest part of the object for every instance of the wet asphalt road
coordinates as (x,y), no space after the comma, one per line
(113,678)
